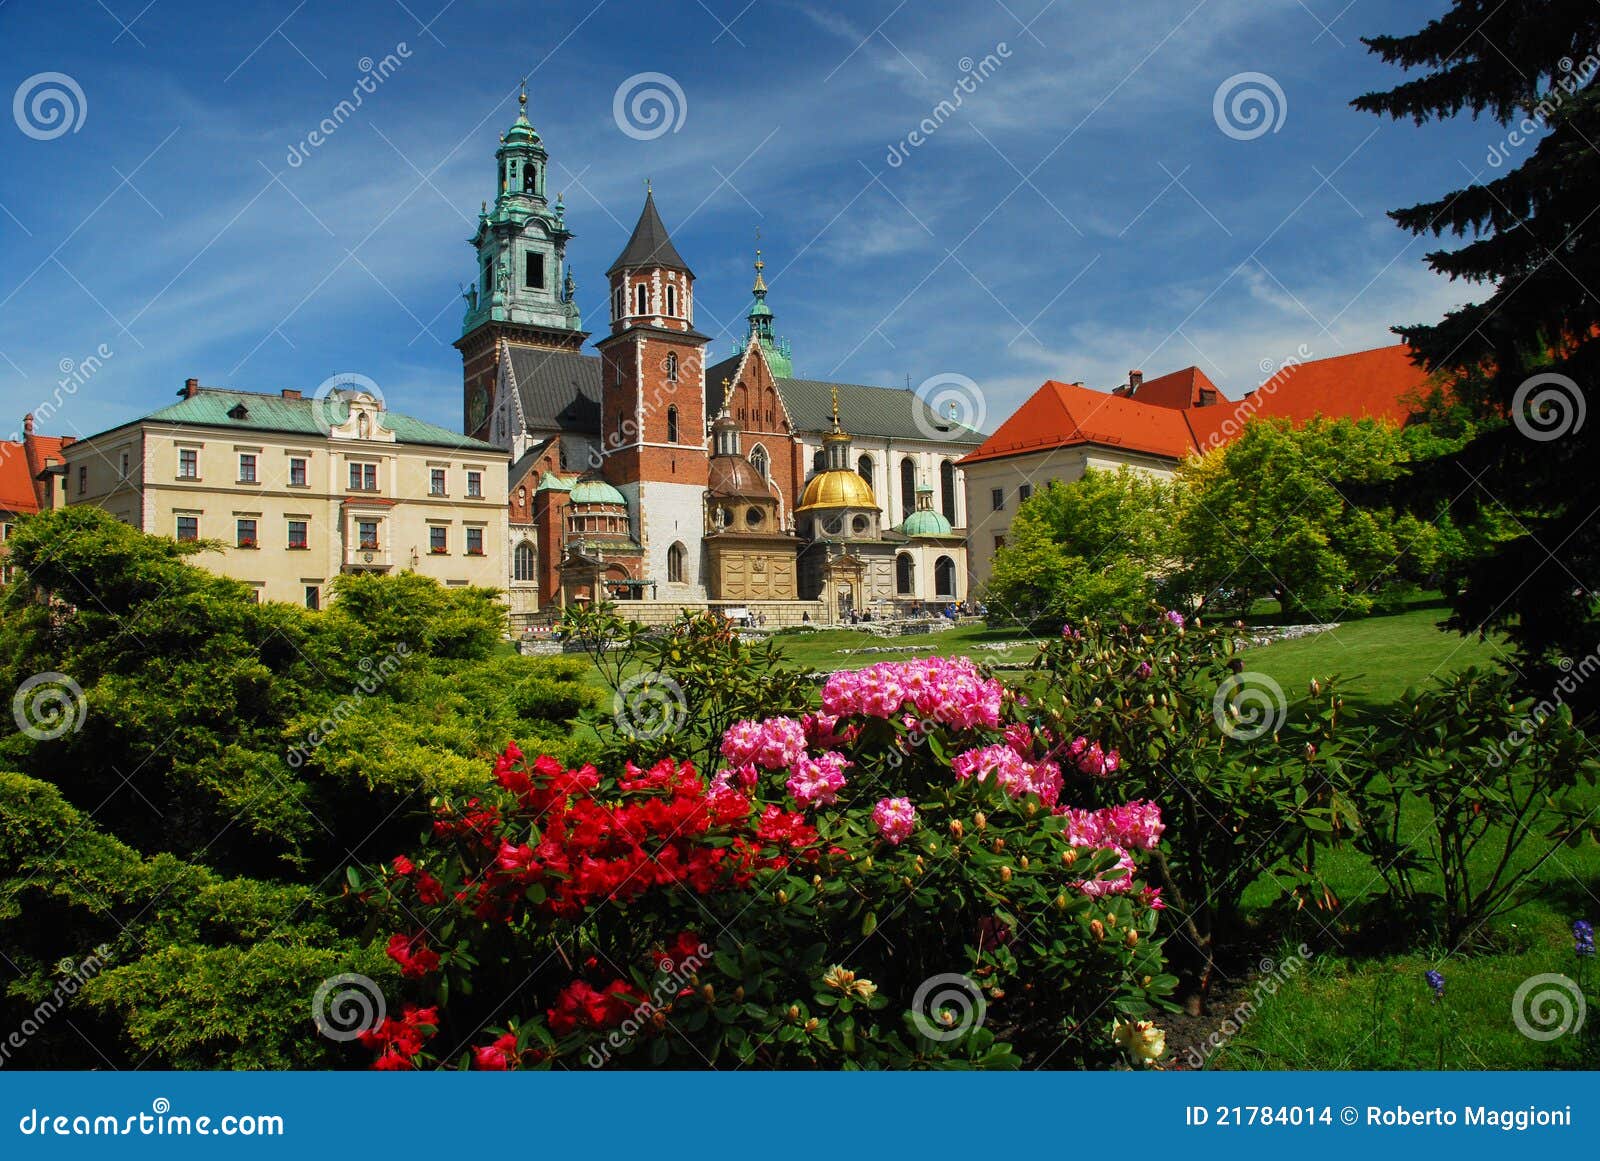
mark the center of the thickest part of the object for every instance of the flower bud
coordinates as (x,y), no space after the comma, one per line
(1316,687)
(811,1024)
(816,880)
(1311,751)
(999,845)
(1097,928)
(1068,857)
(1005,874)
(1061,901)
(906,879)
(794,1011)
(1024,861)
(738,993)
(956,829)
(783,897)
(980,820)
(1111,920)
(709,993)
(1132,938)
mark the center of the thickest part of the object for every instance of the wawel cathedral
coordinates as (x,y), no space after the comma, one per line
(650,470)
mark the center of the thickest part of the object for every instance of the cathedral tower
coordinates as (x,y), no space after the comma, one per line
(523,291)
(653,409)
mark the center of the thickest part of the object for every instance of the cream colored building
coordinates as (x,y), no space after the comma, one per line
(299,490)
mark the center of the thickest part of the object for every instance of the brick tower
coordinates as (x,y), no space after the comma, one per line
(653,413)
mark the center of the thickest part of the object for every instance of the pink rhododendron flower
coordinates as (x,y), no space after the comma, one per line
(895,818)
(818,780)
(1136,825)
(775,743)
(1016,774)
(948,690)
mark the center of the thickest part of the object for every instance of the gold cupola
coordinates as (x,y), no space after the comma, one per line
(836,486)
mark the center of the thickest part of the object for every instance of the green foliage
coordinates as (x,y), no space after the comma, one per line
(1495,775)
(1096,547)
(1242,788)
(1532,480)
(175,965)
(379,613)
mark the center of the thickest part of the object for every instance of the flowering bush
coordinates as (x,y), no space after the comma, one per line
(898,880)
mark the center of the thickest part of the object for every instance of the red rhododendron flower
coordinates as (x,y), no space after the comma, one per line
(413,955)
(496,1057)
(403,865)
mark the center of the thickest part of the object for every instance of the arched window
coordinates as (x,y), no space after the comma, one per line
(944,577)
(675,559)
(641,299)
(864,469)
(908,487)
(947,490)
(522,562)
(905,575)
(672,300)
(819,461)
(672,366)
(672,424)
(617,302)
(759,461)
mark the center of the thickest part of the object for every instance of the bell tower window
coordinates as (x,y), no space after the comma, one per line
(529,178)
(533,274)
(672,301)
(672,367)
(617,303)
(672,424)
(641,299)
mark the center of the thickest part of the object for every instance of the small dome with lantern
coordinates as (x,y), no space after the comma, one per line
(838,485)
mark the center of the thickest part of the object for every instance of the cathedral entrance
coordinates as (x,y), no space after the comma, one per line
(847,604)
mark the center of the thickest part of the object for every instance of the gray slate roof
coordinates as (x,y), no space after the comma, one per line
(650,244)
(560,390)
(878,412)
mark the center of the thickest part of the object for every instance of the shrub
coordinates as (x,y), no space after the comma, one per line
(891,882)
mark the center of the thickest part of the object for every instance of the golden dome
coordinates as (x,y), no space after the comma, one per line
(840,488)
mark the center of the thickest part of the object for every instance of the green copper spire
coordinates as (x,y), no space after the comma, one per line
(775,349)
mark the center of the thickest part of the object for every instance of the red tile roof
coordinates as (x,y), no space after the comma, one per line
(1069,414)
(16,481)
(1180,389)
(1378,384)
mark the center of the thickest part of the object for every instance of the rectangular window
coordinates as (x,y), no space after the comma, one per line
(367,533)
(999,543)
(474,542)
(247,468)
(83,479)
(533,276)
(297,534)
(188,528)
(313,597)
(475,485)
(436,482)
(245,530)
(363,477)
(297,472)
(438,539)
(188,463)
(124,465)
(1024,492)
(997,498)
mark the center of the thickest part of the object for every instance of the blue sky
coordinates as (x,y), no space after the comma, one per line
(1082,213)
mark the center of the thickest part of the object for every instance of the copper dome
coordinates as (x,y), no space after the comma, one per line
(734,476)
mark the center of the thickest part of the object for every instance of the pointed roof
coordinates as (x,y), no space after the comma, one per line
(650,244)
(1185,388)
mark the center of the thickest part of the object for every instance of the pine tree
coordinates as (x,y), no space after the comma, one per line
(1525,359)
